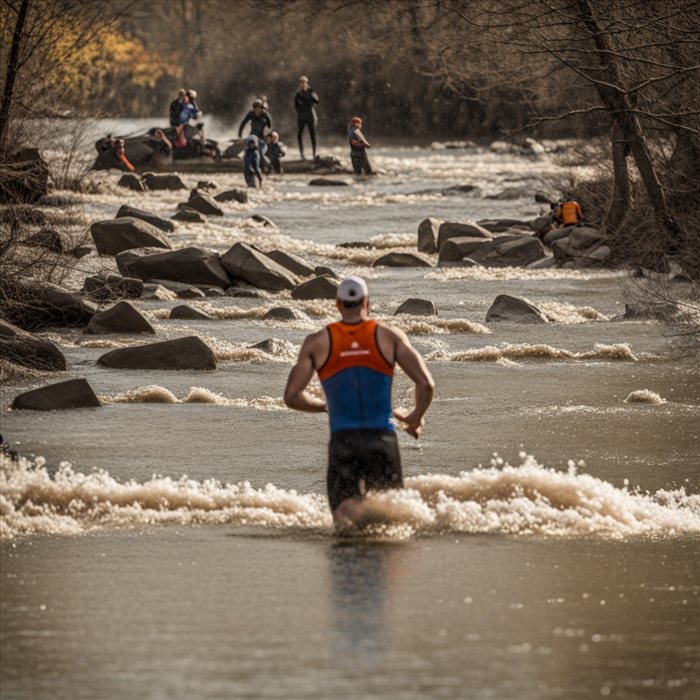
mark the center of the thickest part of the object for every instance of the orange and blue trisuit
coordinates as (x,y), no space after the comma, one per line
(357,380)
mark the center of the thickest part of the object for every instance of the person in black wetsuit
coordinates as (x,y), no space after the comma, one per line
(355,360)
(304,104)
(260,123)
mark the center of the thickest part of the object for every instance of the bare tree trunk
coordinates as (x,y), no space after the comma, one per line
(11,74)
(618,103)
(621,196)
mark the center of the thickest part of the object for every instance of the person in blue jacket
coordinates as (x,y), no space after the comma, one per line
(251,163)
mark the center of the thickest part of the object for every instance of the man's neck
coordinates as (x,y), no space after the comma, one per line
(355,317)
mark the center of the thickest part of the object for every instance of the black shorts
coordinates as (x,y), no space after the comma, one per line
(362,460)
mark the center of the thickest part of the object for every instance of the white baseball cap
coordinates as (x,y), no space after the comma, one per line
(352,289)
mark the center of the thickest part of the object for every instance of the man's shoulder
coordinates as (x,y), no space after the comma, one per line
(391,330)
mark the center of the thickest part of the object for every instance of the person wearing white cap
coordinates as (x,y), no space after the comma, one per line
(305,101)
(355,359)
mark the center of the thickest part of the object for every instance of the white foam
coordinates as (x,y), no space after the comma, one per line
(645,396)
(524,500)
(522,351)
(560,312)
(450,274)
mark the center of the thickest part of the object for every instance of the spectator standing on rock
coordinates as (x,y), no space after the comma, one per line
(305,101)
(176,108)
(358,148)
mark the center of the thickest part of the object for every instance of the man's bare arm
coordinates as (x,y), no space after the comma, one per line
(411,362)
(295,394)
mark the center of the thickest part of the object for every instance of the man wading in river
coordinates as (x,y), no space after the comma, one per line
(355,360)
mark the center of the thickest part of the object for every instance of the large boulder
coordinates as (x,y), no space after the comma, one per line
(189,216)
(250,265)
(235,195)
(556,234)
(517,252)
(562,250)
(106,287)
(30,177)
(400,260)
(585,237)
(292,262)
(187,265)
(317,288)
(74,393)
(167,181)
(132,182)
(428,234)
(123,317)
(453,229)
(22,348)
(189,352)
(601,253)
(514,309)
(147,216)
(454,249)
(116,235)
(417,307)
(205,204)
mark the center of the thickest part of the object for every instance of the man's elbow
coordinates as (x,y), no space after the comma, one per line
(426,384)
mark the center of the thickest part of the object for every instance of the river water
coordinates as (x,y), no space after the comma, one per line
(176,542)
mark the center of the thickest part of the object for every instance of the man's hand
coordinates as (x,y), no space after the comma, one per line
(410,422)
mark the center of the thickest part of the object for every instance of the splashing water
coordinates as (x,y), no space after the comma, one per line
(524,500)
(519,351)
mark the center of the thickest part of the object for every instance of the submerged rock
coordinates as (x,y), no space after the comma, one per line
(190,352)
(189,313)
(400,260)
(123,317)
(131,181)
(235,195)
(328,182)
(74,393)
(284,313)
(166,181)
(417,307)
(515,310)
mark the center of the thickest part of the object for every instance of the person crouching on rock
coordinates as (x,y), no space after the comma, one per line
(275,151)
(251,163)
(568,213)
(358,148)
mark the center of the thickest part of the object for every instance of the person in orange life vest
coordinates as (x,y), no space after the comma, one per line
(358,148)
(355,359)
(568,213)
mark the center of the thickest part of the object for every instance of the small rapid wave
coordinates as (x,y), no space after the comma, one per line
(450,274)
(12,372)
(535,351)
(559,312)
(429,325)
(524,500)
(153,393)
(645,396)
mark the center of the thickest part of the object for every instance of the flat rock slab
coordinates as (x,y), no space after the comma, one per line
(417,307)
(189,352)
(454,249)
(316,288)
(515,310)
(28,350)
(74,393)
(114,236)
(400,260)
(190,266)
(517,252)
(455,229)
(148,216)
(123,317)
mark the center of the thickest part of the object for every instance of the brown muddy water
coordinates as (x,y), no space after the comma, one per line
(176,542)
